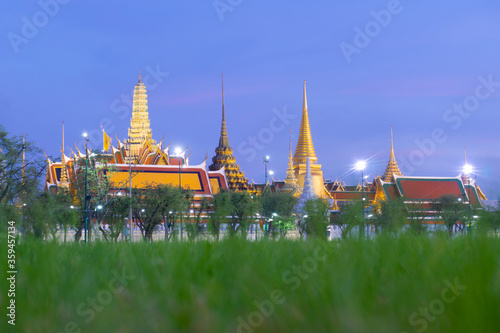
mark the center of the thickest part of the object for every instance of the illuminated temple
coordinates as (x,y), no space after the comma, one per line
(153,162)
(146,160)
(224,157)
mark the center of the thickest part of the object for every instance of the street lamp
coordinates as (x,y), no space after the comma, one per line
(467,170)
(360,166)
(85,135)
(266,161)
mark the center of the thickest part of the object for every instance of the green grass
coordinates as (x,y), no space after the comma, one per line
(360,286)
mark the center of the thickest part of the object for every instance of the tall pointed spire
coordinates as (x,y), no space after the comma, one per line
(291,182)
(392,166)
(305,147)
(224,157)
(140,127)
(64,177)
(224,140)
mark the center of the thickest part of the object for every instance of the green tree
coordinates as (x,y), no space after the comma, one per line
(489,220)
(243,208)
(194,228)
(451,211)
(48,213)
(221,208)
(317,220)
(19,179)
(151,204)
(390,216)
(349,217)
(282,208)
(101,194)
(417,213)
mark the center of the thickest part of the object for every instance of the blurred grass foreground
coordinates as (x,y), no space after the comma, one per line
(385,284)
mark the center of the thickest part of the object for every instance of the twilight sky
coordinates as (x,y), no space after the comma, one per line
(429,68)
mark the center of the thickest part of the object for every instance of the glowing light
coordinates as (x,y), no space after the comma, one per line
(84,134)
(178,151)
(360,165)
(271,172)
(99,207)
(467,169)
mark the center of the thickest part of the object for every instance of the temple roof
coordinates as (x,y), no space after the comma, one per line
(429,188)
(392,166)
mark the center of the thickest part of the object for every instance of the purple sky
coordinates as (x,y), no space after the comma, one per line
(80,60)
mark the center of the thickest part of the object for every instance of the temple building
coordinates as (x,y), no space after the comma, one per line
(417,193)
(305,150)
(291,183)
(224,158)
(142,159)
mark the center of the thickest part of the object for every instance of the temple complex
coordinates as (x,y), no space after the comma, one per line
(146,161)
(142,159)
(224,157)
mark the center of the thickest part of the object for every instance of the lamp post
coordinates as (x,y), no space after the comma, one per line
(85,135)
(178,152)
(467,170)
(266,161)
(360,166)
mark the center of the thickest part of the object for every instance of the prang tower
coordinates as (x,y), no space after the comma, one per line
(305,150)
(140,130)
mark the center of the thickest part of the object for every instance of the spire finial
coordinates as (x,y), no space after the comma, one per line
(304,101)
(223,110)
(305,147)
(62,136)
(392,144)
(140,75)
(223,141)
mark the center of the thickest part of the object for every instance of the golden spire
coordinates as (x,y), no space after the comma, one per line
(64,177)
(305,146)
(392,167)
(224,140)
(291,182)
(140,127)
